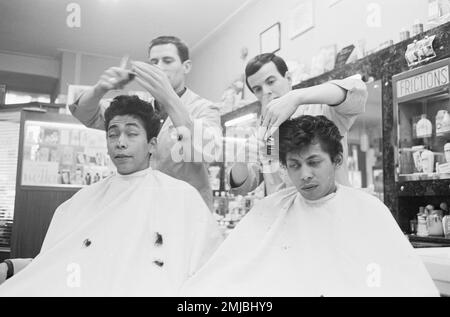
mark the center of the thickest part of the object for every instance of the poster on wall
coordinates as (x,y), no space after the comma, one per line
(270,39)
(63,155)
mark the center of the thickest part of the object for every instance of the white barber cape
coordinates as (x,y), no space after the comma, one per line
(345,244)
(142,234)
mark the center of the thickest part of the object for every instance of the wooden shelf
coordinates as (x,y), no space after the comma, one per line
(430,241)
(423,177)
(420,188)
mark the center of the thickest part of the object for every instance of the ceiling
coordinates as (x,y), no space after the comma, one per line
(108,27)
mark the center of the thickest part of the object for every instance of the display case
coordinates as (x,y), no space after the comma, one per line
(9,144)
(56,154)
(46,157)
(421,114)
(421,103)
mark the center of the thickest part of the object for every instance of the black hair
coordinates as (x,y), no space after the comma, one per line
(183,50)
(298,133)
(255,64)
(137,108)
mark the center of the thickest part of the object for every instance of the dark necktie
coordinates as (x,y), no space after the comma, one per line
(159,109)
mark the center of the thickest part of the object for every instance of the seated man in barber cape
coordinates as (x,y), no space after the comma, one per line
(137,233)
(317,238)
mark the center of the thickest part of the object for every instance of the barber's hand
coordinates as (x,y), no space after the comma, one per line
(114,78)
(155,81)
(279,110)
(257,151)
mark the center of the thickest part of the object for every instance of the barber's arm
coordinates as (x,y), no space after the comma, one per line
(351,93)
(244,178)
(238,174)
(202,122)
(354,103)
(155,81)
(14,267)
(87,108)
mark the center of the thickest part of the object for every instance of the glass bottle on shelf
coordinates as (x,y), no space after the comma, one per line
(422,226)
(447,152)
(424,127)
(439,118)
(446,122)
(427,160)
(442,122)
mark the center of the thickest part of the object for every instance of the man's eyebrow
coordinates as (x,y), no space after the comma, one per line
(270,77)
(132,124)
(112,126)
(313,156)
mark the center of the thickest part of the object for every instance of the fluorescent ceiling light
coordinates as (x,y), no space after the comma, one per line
(240,120)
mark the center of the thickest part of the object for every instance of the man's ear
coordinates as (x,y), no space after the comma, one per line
(187,65)
(338,160)
(288,76)
(152,145)
(107,144)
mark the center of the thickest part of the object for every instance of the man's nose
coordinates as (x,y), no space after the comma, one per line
(305,173)
(267,96)
(159,64)
(121,142)
(267,91)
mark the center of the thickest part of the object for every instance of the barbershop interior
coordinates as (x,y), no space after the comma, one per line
(391,56)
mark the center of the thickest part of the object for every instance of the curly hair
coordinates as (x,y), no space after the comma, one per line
(298,133)
(257,62)
(137,108)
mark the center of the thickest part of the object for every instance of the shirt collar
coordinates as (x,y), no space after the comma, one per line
(181,93)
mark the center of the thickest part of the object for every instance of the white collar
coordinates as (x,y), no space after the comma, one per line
(137,174)
(323,199)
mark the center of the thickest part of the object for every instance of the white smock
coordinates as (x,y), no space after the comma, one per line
(345,244)
(141,234)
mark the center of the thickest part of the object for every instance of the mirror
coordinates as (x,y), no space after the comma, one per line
(365,145)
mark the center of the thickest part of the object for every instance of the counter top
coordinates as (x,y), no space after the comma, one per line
(437,262)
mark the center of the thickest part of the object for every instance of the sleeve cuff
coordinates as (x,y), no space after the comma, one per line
(355,99)
(250,183)
(346,83)
(74,106)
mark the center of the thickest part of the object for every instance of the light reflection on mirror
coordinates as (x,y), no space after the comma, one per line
(365,141)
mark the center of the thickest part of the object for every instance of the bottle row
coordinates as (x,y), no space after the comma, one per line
(432,222)
(424,128)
